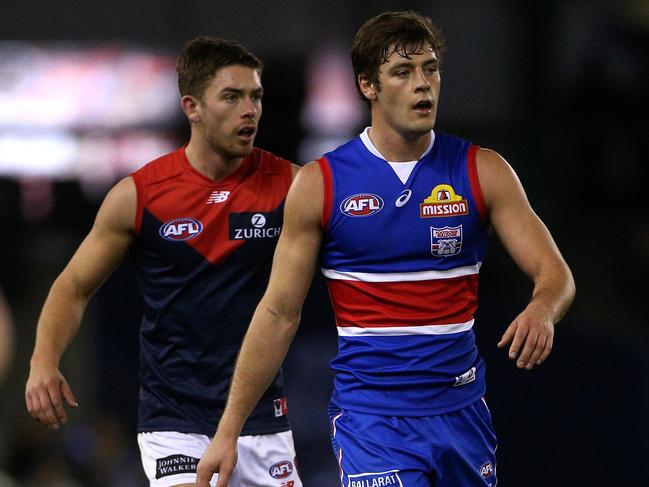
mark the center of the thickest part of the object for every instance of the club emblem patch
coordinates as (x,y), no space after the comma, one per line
(445,241)
(443,202)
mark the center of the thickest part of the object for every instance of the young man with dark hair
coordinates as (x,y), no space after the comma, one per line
(202,224)
(401,217)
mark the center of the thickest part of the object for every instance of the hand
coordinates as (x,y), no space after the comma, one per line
(531,336)
(220,457)
(45,392)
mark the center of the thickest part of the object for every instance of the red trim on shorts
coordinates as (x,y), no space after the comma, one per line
(475,182)
(327,199)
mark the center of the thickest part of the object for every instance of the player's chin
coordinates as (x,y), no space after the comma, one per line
(243,149)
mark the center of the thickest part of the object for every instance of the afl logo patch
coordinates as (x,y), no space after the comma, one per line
(363,204)
(486,470)
(281,470)
(181,229)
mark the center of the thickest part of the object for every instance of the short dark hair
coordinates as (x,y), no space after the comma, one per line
(203,56)
(403,32)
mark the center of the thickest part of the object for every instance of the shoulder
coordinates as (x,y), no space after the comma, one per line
(492,167)
(119,206)
(160,169)
(268,160)
(498,180)
(305,197)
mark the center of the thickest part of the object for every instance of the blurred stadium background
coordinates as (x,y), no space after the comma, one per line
(559,88)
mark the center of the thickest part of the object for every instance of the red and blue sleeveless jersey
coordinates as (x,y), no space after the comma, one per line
(203,254)
(401,261)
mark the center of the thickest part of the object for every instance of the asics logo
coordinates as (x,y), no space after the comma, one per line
(404,198)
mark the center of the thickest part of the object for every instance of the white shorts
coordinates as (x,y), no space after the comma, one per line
(170,458)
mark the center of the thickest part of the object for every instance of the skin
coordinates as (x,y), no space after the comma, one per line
(401,132)
(230,103)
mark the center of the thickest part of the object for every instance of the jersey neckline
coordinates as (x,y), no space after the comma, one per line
(200,178)
(367,142)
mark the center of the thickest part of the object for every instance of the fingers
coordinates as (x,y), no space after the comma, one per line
(44,409)
(508,336)
(225,472)
(68,395)
(45,402)
(203,479)
(204,474)
(517,342)
(530,342)
(56,402)
(546,350)
(529,347)
(223,480)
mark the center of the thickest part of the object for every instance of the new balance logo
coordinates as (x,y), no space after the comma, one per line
(218,197)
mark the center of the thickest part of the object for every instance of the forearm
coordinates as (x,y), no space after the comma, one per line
(59,321)
(262,353)
(554,290)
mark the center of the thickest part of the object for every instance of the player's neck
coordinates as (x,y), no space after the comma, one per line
(209,163)
(395,146)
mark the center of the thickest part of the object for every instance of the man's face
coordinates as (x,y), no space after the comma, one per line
(408,92)
(230,110)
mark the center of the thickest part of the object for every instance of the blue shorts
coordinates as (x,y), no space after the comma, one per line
(448,450)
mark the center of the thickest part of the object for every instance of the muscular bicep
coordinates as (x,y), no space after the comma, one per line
(107,242)
(523,234)
(297,251)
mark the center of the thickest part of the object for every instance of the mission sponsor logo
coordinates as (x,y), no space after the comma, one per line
(175,464)
(255,225)
(443,202)
(362,204)
(445,241)
(375,479)
(181,229)
(281,470)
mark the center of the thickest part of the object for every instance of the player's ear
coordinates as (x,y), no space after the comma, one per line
(367,87)
(190,106)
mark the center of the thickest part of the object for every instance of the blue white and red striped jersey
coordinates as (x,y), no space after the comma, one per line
(401,259)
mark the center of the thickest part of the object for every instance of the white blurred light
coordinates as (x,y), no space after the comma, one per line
(93,113)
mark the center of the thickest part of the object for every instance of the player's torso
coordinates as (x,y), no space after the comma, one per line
(203,254)
(401,261)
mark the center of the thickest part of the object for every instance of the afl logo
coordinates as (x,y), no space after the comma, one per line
(281,470)
(181,229)
(486,470)
(363,204)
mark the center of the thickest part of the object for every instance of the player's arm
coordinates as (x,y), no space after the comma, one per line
(274,323)
(98,255)
(527,240)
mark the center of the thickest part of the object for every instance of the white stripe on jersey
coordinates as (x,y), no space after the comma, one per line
(354,331)
(401,276)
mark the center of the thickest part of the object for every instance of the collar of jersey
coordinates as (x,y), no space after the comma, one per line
(200,178)
(365,138)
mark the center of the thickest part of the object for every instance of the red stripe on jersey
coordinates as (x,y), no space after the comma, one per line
(327,199)
(471,157)
(414,303)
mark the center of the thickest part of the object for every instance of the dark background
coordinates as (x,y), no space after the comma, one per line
(559,88)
